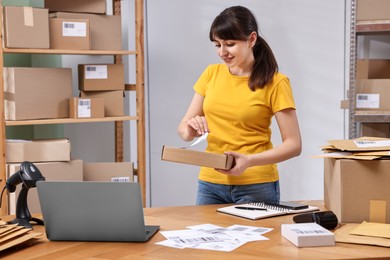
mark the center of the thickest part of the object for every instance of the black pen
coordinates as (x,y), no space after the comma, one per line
(250,208)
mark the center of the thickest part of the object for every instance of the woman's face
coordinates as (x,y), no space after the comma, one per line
(235,53)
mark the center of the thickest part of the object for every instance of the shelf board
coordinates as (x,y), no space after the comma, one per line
(69,120)
(373,27)
(69,52)
(372,117)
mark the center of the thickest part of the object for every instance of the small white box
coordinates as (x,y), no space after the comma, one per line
(308,235)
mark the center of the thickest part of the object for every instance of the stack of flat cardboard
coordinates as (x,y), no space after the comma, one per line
(366,233)
(12,235)
(363,148)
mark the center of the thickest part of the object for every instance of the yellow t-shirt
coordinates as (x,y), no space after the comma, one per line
(239,120)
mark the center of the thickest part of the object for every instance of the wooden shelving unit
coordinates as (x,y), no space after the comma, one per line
(138,87)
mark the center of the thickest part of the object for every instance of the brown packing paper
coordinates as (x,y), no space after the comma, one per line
(19,240)
(5,230)
(14,234)
(343,235)
(346,155)
(372,230)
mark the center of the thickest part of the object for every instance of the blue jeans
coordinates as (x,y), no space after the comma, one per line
(210,193)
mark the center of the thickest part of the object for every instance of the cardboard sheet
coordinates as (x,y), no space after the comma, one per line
(372,230)
(343,236)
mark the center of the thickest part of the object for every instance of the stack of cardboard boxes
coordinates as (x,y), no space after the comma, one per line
(53,158)
(38,93)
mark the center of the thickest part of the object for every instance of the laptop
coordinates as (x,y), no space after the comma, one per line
(93,211)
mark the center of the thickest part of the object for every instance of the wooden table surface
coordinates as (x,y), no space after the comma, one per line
(175,218)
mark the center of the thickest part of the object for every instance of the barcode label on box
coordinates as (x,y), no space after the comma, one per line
(371,143)
(84,108)
(74,29)
(120,179)
(96,72)
(367,100)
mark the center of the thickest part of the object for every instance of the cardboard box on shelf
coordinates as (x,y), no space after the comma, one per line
(52,171)
(43,150)
(357,190)
(37,93)
(372,85)
(69,34)
(97,77)
(84,6)
(372,94)
(113,101)
(106,30)
(372,69)
(26,27)
(108,171)
(372,10)
(86,107)
(206,159)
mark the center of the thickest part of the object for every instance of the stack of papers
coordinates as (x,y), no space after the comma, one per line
(212,237)
(363,148)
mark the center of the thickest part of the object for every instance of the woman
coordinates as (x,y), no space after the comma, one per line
(234,102)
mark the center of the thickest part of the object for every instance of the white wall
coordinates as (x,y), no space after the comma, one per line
(307,37)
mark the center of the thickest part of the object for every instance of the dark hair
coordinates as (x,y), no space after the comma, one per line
(237,23)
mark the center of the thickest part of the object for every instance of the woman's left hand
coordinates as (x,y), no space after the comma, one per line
(240,164)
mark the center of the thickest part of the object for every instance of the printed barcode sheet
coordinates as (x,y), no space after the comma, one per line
(212,237)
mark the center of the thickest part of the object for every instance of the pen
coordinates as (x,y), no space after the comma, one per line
(250,208)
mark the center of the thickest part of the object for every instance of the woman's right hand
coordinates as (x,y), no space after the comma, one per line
(197,126)
(194,122)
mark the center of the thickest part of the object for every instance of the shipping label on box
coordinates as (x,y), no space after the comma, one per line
(205,159)
(70,34)
(26,27)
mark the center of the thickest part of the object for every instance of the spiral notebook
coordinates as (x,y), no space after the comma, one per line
(261,210)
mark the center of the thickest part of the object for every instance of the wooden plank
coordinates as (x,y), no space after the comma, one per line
(69,120)
(4,202)
(69,52)
(140,90)
(373,27)
(118,124)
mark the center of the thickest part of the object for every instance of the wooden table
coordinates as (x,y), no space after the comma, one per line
(175,218)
